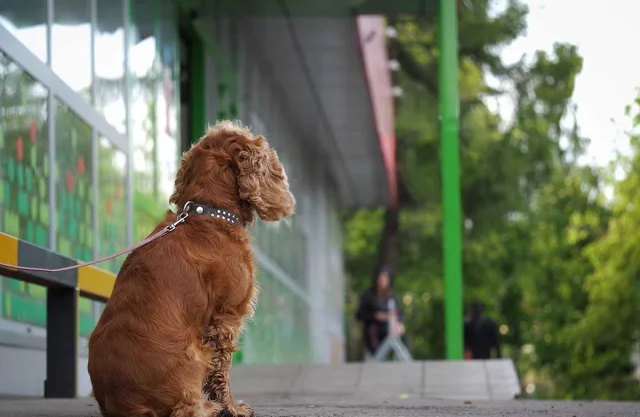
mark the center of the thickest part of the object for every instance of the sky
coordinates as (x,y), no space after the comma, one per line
(611,71)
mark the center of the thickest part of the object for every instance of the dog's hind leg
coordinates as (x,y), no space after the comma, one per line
(222,336)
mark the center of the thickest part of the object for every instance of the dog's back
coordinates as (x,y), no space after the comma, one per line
(137,358)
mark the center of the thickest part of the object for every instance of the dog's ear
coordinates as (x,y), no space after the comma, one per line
(184,172)
(262,181)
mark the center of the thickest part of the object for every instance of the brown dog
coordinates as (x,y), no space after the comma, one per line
(170,327)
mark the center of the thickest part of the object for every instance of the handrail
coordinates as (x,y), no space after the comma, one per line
(63,291)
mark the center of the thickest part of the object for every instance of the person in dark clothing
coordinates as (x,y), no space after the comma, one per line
(481,334)
(374,312)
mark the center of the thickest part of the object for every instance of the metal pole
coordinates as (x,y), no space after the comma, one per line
(449,115)
(128,98)
(51,134)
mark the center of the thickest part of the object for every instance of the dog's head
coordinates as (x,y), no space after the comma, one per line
(232,167)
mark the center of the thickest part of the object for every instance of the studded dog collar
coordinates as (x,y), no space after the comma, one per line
(192,208)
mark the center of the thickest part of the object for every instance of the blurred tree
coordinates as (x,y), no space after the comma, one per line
(540,242)
(419,227)
(606,334)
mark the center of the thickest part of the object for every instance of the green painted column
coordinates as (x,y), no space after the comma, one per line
(198,100)
(452,219)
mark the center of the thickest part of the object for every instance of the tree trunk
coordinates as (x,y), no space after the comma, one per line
(388,246)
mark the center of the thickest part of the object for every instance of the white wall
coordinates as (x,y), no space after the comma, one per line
(23,361)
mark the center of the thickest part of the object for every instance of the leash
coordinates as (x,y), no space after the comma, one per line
(181,217)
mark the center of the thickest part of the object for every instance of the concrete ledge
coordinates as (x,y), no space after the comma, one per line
(470,380)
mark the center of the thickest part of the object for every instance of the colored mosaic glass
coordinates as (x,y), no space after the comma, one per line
(24,174)
(112,216)
(74,196)
(23,156)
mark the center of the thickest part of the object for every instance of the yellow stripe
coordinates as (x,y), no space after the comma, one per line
(8,249)
(96,281)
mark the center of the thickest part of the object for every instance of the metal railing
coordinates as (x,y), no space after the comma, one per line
(63,290)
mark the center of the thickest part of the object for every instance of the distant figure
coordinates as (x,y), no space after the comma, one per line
(481,334)
(374,312)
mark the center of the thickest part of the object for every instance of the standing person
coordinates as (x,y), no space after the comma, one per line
(481,334)
(374,312)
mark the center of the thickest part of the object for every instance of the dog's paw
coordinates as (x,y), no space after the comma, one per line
(244,410)
(237,410)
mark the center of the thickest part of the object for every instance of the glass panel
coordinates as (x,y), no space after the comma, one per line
(266,341)
(71,44)
(27,21)
(302,336)
(25,303)
(292,255)
(112,216)
(74,196)
(86,319)
(146,95)
(168,145)
(279,331)
(109,62)
(24,163)
(24,177)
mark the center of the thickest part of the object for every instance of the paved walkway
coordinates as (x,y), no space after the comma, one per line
(331,406)
(418,389)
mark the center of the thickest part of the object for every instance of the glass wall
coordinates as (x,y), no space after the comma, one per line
(129,76)
(71,44)
(73,176)
(154,102)
(280,330)
(109,62)
(27,21)
(24,179)
(112,208)
(115,105)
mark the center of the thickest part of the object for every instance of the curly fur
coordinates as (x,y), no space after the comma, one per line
(171,325)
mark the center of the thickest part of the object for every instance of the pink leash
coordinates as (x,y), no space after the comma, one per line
(148,240)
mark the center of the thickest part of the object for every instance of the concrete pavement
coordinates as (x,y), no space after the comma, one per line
(417,389)
(333,406)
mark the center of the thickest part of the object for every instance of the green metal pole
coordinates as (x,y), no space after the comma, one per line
(452,233)
(198,102)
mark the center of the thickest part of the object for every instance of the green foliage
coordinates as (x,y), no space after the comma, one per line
(543,247)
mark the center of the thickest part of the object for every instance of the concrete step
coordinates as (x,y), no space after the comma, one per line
(459,380)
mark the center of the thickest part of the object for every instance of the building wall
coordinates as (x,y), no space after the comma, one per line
(90,95)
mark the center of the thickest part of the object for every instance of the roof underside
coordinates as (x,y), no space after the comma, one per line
(313,47)
(325,8)
(317,61)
